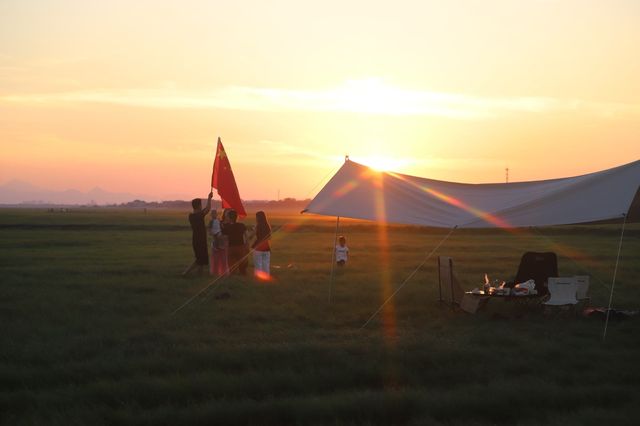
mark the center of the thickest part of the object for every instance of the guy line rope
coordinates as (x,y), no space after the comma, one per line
(409,277)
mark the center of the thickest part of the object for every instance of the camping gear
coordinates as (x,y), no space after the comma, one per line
(538,267)
(450,291)
(527,288)
(562,291)
(360,192)
(582,294)
(604,313)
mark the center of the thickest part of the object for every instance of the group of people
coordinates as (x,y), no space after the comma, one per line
(230,239)
(230,242)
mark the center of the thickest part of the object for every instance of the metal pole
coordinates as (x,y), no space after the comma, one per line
(440,282)
(615,271)
(333,257)
(451,282)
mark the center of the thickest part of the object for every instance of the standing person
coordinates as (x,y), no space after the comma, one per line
(342,251)
(261,247)
(218,266)
(198,235)
(237,244)
(223,248)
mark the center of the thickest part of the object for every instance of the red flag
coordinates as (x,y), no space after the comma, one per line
(223,180)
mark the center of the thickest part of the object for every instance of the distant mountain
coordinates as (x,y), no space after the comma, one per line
(20,192)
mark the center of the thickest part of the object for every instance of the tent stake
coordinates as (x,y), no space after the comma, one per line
(615,271)
(333,257)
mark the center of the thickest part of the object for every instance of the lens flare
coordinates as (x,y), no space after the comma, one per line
(488,217)
(263,276)
(384,163)
(346,188)
(389,325)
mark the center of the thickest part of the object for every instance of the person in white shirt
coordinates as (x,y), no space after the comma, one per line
(218,265)
(342,251)
(214,229)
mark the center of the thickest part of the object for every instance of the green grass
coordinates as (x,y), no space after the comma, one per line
(87,335)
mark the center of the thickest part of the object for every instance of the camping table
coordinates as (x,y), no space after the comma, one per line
(528,300)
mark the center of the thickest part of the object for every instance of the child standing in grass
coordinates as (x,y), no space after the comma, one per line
(262,248)
(342,251)
(218,265)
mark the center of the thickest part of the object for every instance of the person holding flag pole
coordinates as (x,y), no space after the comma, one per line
(224,182)
(199,235)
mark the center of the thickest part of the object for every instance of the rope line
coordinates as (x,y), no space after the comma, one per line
(613,283)
(331,172)
(409,277)
(575,262)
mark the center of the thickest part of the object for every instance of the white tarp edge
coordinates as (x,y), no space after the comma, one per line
(359,192)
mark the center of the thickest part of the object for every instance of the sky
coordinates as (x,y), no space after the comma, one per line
(132,96)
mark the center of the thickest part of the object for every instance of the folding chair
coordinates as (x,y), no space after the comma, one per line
(582,281)
(450,291)
(582,294)
(538,267)
(562,294)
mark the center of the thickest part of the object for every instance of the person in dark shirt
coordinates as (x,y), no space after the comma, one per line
(238,253)
(198,235)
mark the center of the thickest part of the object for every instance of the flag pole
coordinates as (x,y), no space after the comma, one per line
(333,257)
(213,168)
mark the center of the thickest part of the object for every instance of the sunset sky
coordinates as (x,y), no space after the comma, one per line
(132,95)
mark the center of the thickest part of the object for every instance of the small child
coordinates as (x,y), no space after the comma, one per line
(219,262)
(215,230)
(342,251)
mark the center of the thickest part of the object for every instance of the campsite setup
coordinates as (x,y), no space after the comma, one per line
(107,334)
(361,192)
(424,212)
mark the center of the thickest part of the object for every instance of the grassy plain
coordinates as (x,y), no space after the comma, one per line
(87,335)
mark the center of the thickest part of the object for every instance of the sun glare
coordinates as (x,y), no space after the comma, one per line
(383,164)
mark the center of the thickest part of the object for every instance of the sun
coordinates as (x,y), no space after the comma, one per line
(384,164)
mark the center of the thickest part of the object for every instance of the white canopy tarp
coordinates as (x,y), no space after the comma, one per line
(357,191)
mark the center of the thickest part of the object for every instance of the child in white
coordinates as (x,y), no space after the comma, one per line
(342,251)
(262,248)
(218,256)
(215,229)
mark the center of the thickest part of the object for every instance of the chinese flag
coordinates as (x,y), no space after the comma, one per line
(223,180)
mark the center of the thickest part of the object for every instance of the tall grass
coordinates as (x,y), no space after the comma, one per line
(86,334)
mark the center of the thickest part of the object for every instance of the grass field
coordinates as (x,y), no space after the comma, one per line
(87,335)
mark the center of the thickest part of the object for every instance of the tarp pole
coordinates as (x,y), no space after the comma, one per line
(453,297)
(440,299)
(333,257)
(613,284)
